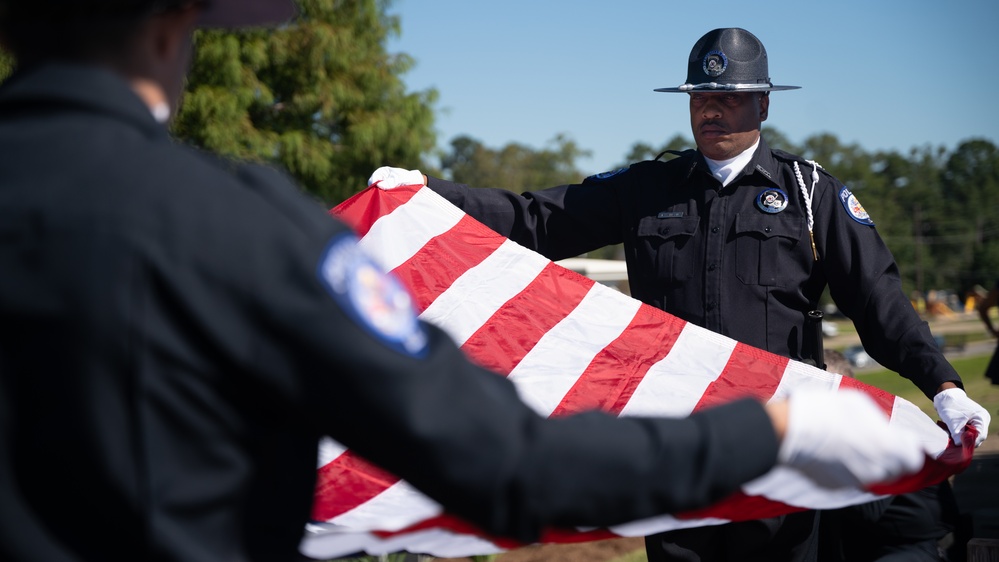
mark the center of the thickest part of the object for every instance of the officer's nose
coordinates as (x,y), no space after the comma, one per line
(711,109)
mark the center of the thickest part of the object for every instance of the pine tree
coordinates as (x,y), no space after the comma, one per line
(319,97)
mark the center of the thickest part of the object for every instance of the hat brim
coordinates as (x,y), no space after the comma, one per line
(686,88)
(240,13)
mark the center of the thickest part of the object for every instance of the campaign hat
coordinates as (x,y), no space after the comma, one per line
(728,59)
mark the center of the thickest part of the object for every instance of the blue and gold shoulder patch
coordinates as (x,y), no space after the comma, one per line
(607,175)
(376,300)
(853,207)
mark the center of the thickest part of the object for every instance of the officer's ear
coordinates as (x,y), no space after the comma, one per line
(764,106)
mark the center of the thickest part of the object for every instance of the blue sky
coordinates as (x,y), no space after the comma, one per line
(889,74)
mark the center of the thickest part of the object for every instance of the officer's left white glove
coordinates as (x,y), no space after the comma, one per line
(843,439)
(387,177)
(956,410)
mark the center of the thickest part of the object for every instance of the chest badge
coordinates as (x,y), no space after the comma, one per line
(772,200)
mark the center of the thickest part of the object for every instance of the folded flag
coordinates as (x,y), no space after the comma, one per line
(569,344)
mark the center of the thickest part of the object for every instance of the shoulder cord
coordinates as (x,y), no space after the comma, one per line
(806,194)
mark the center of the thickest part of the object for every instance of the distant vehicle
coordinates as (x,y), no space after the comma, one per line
(858,357)
(830,329)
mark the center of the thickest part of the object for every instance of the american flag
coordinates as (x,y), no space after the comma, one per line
(569,344)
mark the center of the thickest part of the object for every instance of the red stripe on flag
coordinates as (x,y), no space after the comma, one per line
(431,270)
(742,507)
(612,377)
(345,483)
(517,326)
(362,210)
(954,459)
(750,372)
(884,400)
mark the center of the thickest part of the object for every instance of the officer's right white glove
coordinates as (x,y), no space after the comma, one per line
(842,438)
(387,177)
(956,410)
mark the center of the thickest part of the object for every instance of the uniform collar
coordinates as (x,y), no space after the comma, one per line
(85,87)
(762,163)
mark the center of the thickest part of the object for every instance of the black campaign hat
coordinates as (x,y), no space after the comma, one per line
(728,59)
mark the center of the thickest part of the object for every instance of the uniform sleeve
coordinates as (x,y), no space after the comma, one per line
(865,284)
(339,349)
(558,222)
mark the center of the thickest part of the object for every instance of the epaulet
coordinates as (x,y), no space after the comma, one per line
(791,158)
(680,153)
(802,162)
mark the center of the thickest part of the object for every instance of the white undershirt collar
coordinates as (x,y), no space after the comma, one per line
(726,170)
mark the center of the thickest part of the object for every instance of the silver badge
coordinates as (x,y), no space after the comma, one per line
(715,63)
(772,200)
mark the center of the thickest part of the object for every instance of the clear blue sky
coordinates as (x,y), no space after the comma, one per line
(889,74)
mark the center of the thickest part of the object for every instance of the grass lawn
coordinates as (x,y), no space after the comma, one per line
(971,369)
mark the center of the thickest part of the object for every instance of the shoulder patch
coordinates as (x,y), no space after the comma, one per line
(607,175)
(853,207)
(375,300)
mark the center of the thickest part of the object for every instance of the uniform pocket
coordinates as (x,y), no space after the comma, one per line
(668,243)
(763,244)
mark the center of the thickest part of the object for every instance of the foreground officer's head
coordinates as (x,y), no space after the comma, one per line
(146,41)
(728,81)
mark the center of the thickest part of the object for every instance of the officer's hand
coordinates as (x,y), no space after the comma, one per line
(387,177)
(956,410)
(843,439)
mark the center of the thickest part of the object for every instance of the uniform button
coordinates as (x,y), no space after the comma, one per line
(712,267)
(715,229)
(766,229)
(666,230)
(710,305)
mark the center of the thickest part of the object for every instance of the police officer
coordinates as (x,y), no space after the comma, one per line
(742,240)
(990,301)
(178,331)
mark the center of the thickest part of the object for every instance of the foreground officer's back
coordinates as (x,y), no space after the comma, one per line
(178,331)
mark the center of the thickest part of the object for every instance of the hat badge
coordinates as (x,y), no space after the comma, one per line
(715,63)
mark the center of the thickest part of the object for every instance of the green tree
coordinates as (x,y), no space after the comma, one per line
(643,151)
(6,65)
(319,97)
(971,193)
(515,166)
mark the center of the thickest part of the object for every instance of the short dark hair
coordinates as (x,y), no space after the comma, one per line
(836,362)
(75,30)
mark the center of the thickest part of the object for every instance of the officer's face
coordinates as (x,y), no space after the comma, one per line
(727,123)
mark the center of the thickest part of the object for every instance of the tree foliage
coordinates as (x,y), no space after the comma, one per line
(515,166)
(6,65)
(319,97)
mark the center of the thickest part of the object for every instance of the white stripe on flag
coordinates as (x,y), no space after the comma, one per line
(798,375)
(479,292)
(397,236)
(551,368)
(329,449)
(674,385)
(398,507)
(907,415)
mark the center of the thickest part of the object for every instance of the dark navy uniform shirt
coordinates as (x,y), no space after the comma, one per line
(177,333)
(736,260)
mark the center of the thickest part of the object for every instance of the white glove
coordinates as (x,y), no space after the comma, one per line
(387,177)
(957,411)
(842,438)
